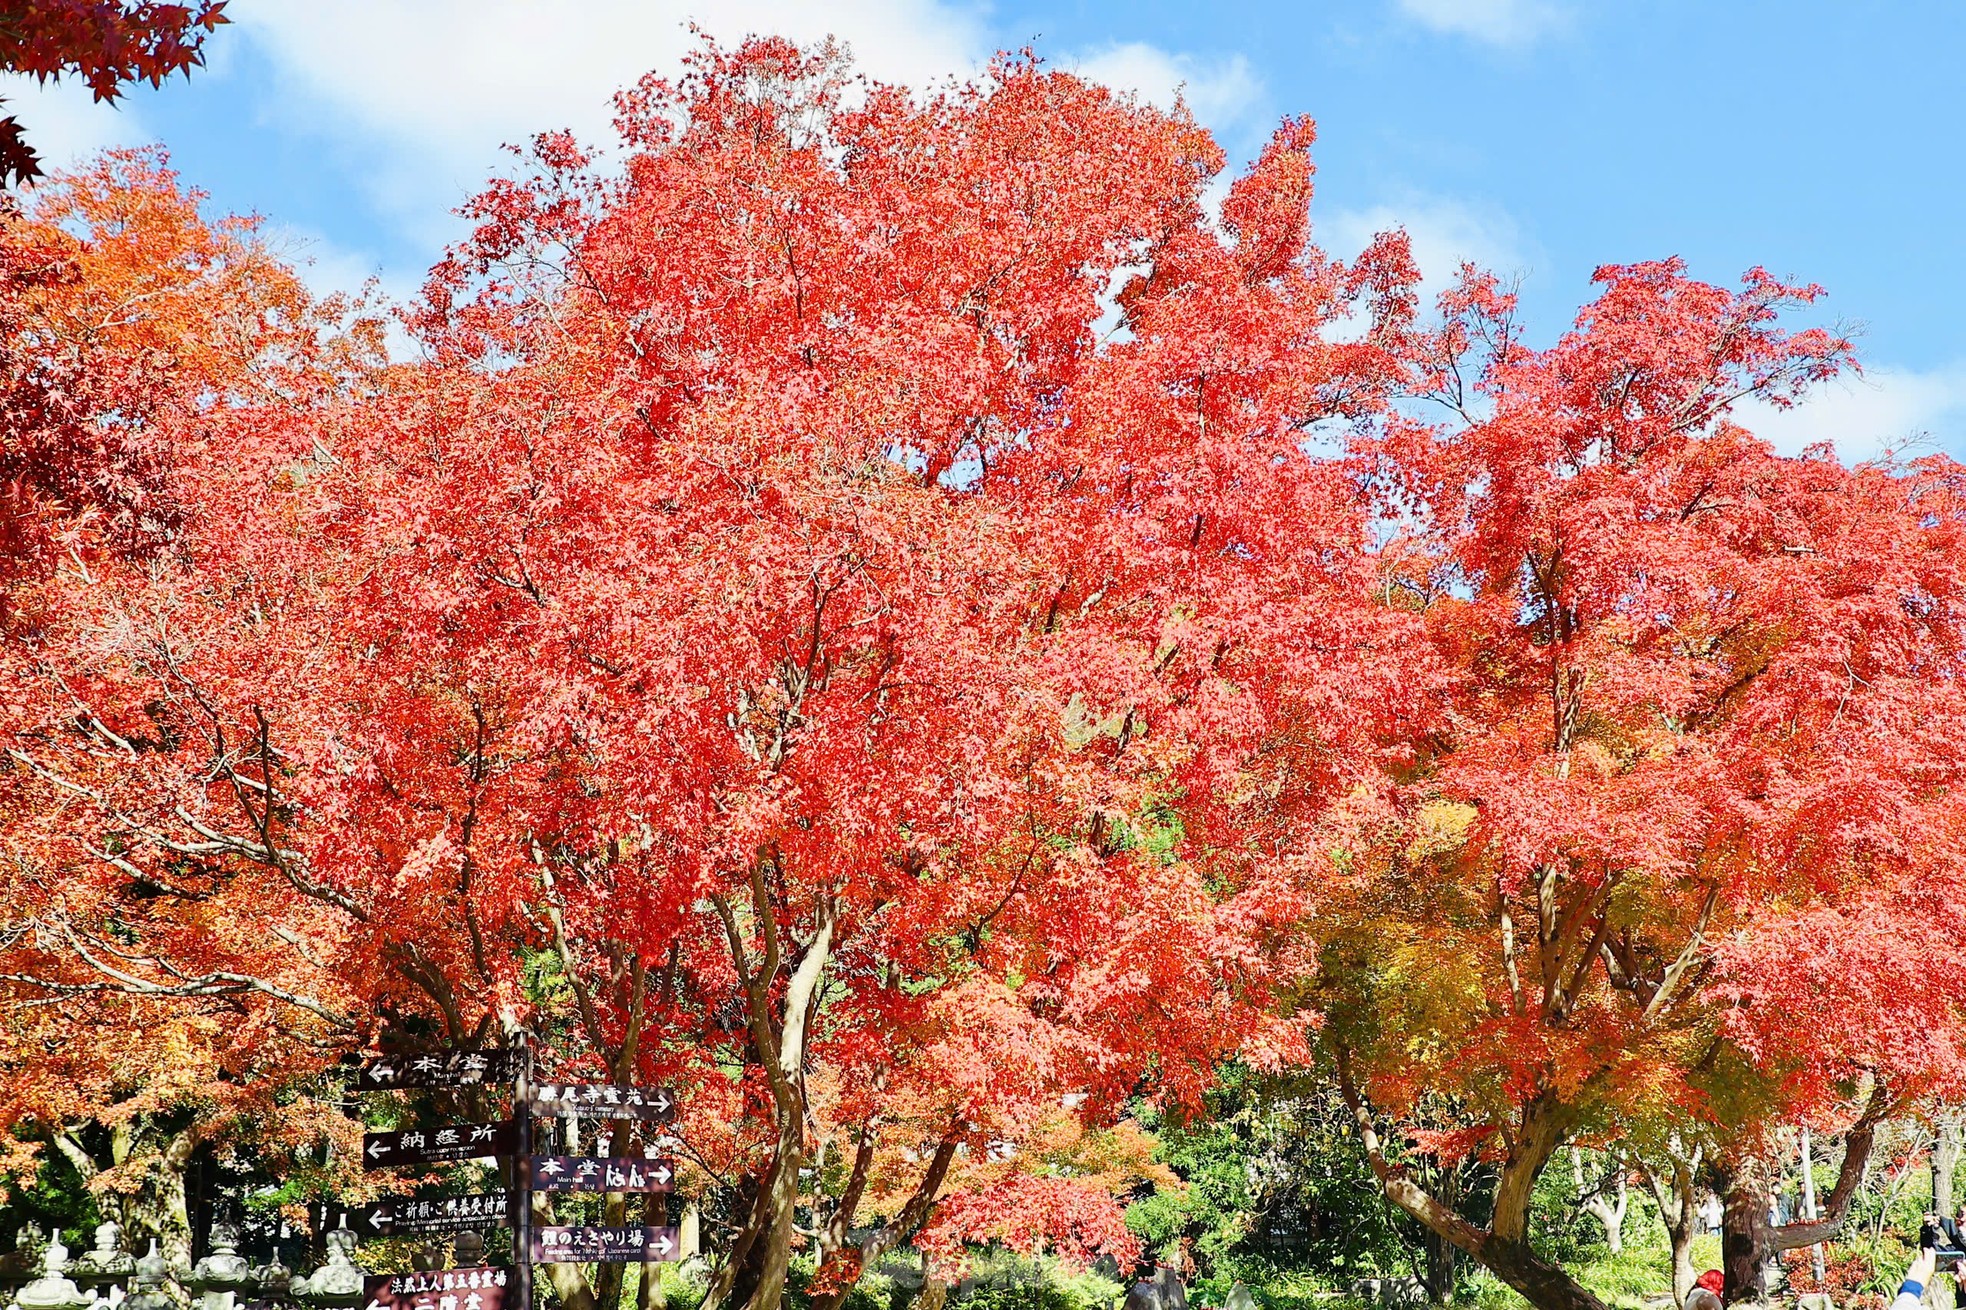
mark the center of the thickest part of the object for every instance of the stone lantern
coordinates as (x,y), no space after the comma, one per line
(339,1281)
(108,1263)
(223,1272)
(149,1285)
(53,1290)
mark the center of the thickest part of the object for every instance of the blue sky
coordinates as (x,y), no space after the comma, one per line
(1541,137)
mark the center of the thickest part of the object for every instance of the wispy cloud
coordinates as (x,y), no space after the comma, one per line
(1445,233)
(1224,93)
(1495,22)
(65,124)
(1905,411)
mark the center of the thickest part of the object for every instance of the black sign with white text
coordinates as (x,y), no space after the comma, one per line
(605,1101)
(437,1145)
(593,1173)
(438,1289)
(434,1214)
(439,1069)
(607,1245)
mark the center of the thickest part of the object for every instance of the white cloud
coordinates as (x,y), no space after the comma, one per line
(1444,233)
(422,96)
(446,82)
(1223,93)
(63,122)
(1497,22)
(1897,409)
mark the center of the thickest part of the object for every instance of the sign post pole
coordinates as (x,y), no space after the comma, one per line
(522,1175)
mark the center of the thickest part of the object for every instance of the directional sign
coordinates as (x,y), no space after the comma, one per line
(597,1173)
(608,1245)
(439,1069)
(605,1101)
(436,1214)
(437,1289)
(437,1145)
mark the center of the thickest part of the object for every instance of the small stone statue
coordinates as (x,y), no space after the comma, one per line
(468,1249)
(223,1272)
(19,1264)
(147,1289)
(109,1262)
(273,1281)
(1239,1299)
(53,1290)
(339,1281)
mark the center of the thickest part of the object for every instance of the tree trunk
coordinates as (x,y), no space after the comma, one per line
(1443,1270)
(1503,1250)
(1674,1192)
(933,1296)
(648,1288)
(1945,1156)
(1609,1211)
(1748,1243)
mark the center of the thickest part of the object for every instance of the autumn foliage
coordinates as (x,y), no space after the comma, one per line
(884,614)
(103,43)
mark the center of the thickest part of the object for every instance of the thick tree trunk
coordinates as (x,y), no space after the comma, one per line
(1504,1249)
(1746,1245)
(1945,1157)
(1748,1242)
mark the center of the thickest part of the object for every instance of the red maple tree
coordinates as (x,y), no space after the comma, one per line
(1683,847)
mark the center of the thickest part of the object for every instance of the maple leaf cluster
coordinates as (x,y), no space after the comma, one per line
(105,43)
(882,614)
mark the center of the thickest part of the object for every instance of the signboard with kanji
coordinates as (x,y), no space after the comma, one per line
(437,1289)
(437,1145)
(607,1245)
(595,1173)
(605,1101)
(434,1214)
(438,1069)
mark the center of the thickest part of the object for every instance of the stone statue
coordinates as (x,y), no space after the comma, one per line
(468,1249)
(19,1264)
(339,1281)
(273,1281)
(223,1272)
(147,1285)
(53,1290)
(109,1262)
(1239,1299)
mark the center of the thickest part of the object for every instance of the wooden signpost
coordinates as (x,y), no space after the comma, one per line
(512,1140)
(445,1145)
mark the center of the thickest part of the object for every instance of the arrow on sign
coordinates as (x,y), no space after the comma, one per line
(437,1145)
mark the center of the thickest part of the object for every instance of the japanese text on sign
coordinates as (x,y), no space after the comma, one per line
(614,1173)
(436,1145)
(438,1069)
(605,1101)
(572,1245)
(438,1289)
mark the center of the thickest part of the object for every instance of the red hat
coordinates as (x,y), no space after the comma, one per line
(1713,1280)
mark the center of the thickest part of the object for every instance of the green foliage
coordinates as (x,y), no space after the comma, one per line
(1276,1184)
